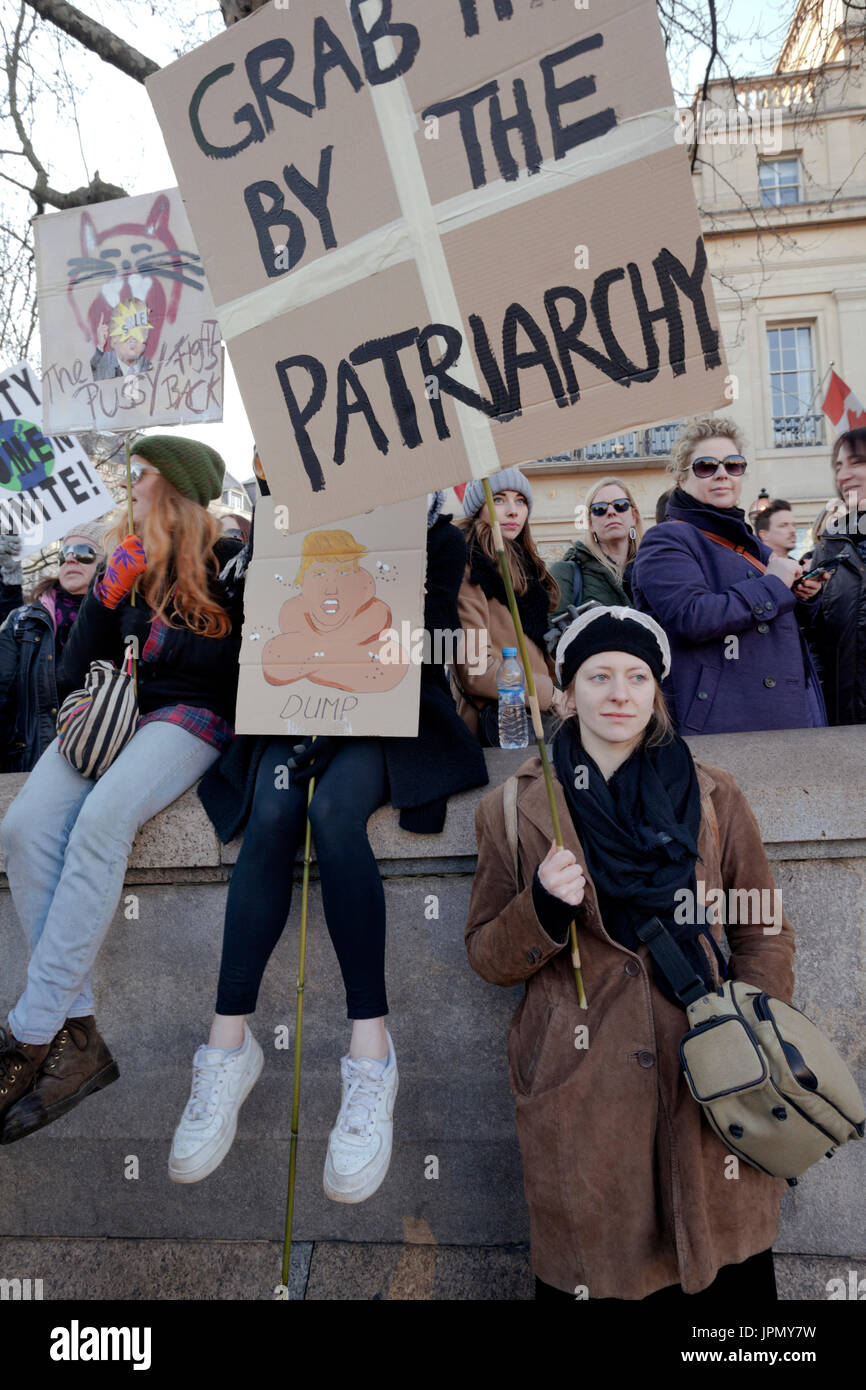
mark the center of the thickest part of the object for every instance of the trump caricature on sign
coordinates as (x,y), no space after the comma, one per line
(334,632)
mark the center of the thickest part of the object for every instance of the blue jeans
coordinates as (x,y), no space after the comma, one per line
(67,840)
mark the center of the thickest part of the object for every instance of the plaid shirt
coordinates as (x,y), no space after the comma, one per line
(201,722)
(196,720)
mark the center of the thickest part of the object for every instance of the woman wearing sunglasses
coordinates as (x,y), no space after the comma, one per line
(31,643)
(66,837)
(729,606)
(600,566)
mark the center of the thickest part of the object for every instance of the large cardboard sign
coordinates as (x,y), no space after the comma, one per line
(128,327)
(47,484)
(327,615)
(442,238)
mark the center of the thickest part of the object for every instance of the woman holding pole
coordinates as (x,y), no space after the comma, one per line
(628,1188)
(353,776)
(67,837)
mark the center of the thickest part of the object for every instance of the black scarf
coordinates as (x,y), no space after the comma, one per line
(533,606)
(639,834)
(728,522)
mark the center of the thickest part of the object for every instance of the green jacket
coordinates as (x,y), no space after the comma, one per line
(598,582)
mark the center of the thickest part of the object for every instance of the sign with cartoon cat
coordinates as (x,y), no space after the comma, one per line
(129,331)
(326,614)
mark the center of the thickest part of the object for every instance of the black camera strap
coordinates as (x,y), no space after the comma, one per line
(666,954)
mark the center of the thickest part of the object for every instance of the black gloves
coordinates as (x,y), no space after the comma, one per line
(310,758)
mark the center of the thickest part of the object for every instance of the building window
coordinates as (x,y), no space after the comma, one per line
(236,500)
(793,387)
(780,182)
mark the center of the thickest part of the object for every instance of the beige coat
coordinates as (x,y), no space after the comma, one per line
(493,629)
(628,1188)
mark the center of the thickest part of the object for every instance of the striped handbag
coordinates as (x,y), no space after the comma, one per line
(96,723)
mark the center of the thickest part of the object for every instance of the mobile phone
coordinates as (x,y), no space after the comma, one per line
(827,565)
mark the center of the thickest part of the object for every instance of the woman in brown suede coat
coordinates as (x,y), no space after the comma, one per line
(483,606)
(630,1192)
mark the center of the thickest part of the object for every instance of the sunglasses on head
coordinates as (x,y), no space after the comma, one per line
(734,465)
(619,504)
(83,553)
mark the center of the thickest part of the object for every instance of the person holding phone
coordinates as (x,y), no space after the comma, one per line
(731,608)
(839,630)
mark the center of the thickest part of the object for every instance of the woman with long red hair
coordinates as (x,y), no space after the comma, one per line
(67,837)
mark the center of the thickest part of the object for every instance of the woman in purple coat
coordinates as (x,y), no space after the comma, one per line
(730,608)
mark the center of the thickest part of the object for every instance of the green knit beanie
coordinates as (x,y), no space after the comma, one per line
(195,469)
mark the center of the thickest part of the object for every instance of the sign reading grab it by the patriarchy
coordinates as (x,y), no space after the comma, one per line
(442,238)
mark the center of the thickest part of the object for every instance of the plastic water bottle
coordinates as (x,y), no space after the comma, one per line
(513,723)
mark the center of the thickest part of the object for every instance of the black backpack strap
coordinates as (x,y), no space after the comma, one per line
(576,584)
(666,954)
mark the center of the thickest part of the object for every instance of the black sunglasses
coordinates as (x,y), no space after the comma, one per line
(620,504)
(84,554)
(734,465)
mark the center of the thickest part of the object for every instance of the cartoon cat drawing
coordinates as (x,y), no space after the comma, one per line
(129,262)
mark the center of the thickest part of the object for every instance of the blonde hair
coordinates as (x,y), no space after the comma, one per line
(702,427)
(592,544)
(330,548)
(178,538)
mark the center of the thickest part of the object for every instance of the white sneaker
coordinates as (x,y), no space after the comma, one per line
(221,1082)
(359,1147)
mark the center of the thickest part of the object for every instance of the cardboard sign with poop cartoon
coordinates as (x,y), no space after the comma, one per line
(327,615)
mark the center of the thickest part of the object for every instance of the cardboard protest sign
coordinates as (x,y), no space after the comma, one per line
(127,323)
(330,618)
(443,238)
(47,484)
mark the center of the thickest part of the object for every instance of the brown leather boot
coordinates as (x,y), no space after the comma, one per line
(77,1063)
(19,1063)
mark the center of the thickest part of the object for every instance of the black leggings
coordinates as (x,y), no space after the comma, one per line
(752,1281)
(353,785)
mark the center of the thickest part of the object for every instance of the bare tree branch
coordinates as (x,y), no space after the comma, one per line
(96,37)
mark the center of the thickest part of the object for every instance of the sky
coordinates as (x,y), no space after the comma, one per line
(117,132)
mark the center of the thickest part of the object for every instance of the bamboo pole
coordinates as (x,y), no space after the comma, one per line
(535,715)
(299,1023)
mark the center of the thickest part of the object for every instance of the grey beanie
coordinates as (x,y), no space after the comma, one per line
(90,530)
(509,480)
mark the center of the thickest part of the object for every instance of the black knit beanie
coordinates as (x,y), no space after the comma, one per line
(612,629)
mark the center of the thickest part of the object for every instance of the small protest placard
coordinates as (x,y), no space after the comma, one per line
(47,482)
(443,238)
(326,614)
(127,323)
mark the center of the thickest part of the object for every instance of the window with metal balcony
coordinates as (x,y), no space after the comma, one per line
(793,387)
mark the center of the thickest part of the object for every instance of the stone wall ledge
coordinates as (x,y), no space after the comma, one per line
(804,786)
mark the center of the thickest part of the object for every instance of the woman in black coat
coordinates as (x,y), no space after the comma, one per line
(32,640)
(67,837)
(838,633)
(354,776)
